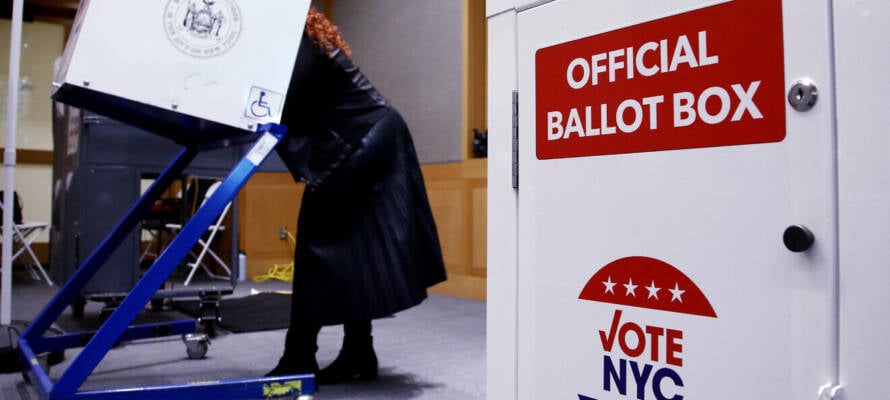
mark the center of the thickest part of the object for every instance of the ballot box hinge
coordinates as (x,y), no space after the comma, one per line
(515,139)
(830,391)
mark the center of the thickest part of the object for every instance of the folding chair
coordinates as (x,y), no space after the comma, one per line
(205,243)
(156,219)
(165,211)
(23,234)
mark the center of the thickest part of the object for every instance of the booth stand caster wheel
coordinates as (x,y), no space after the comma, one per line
(209,313)
(196,345)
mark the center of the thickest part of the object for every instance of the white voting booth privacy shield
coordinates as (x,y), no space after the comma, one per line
(665,149)
(207,74)
(182,67)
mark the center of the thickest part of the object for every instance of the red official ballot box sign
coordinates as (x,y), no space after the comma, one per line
(708,77)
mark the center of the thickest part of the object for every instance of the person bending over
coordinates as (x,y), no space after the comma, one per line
(367,245)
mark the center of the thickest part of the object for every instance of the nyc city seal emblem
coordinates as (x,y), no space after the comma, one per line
(202,28)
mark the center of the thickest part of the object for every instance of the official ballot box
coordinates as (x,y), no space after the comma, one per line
(182,68)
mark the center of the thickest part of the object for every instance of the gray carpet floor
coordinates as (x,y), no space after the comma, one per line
(433,351)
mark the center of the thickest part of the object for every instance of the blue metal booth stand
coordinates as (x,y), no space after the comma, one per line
(117,327)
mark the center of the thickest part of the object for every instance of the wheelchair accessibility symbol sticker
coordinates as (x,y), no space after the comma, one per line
(263,105)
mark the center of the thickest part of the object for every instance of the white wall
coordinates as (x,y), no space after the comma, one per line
(41,44)
(411,50)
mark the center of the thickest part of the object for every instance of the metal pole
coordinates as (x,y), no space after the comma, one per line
(12,109)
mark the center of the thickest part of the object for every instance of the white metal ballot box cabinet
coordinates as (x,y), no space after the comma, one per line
(702,207)
(205,74)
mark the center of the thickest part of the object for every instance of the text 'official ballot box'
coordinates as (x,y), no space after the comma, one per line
(182,68)
(207,74)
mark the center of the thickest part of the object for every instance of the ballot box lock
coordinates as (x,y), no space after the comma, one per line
(803,95)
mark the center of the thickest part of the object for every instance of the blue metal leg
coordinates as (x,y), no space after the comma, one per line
(263,388)
(88,269)
(82,276)
(115,326)
(61,342)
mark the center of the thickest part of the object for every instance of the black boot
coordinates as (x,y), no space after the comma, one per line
(300,346)
(356,360)
(290,366)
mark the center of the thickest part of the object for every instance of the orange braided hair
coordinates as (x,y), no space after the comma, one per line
(325,33)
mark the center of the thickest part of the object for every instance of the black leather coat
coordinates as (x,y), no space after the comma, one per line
(330,106)
(367,244)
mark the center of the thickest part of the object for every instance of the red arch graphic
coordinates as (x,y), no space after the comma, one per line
(648,283)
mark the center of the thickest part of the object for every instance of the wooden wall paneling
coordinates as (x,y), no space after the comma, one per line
(480,237)
(475,63)
(26,156)
(449,205)
(457,196)
(267,202)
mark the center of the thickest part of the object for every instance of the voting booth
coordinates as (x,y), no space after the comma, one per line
(206,75)
(193,69)
(696,190)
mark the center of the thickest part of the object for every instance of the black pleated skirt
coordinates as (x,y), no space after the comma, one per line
(367,245)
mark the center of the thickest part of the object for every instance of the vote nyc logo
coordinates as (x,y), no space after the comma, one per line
(643,359)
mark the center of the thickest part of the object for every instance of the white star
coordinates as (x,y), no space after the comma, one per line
(609,285)
(676,293)
(631,288)
(653,291)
